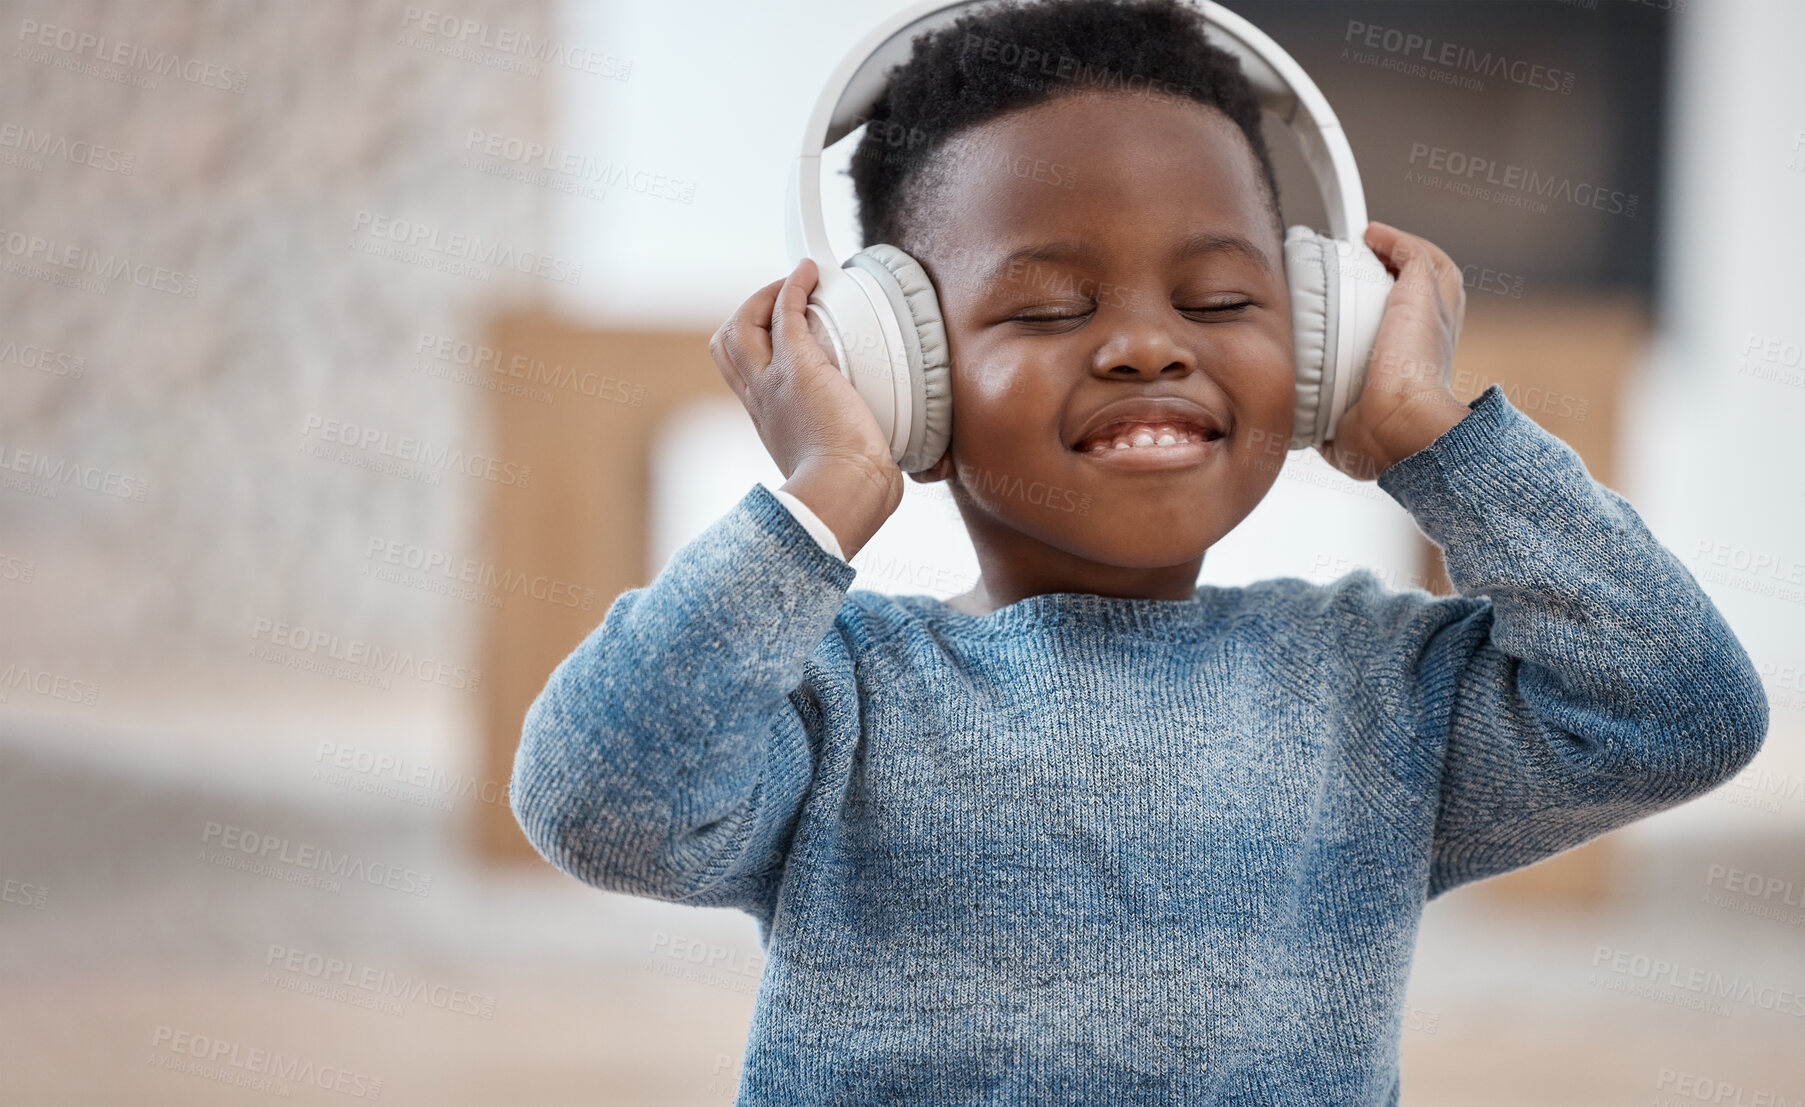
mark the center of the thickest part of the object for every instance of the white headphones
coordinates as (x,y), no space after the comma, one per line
(878,317)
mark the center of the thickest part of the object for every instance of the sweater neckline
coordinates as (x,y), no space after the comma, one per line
(1076,610)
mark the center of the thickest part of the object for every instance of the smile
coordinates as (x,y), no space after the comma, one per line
(1152,446)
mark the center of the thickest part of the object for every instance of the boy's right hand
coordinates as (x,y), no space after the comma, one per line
(812,421)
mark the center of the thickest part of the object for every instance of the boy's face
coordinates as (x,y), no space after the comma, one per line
(1129,178)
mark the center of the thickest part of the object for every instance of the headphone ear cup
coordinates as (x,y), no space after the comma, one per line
(1314,279)
(917,309)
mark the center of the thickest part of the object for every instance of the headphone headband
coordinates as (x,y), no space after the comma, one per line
(1281,85)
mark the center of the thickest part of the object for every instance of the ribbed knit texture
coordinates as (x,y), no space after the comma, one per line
(1098,850)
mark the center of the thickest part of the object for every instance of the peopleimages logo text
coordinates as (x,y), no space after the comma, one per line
(523,44)
(256,1068)
(465,247)
(1406,44)
(357,651)
(417,450)
(37,249)
(59,147)
(112,51)
(275,849)
(1468,169)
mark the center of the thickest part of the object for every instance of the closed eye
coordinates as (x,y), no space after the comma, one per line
(1212,309)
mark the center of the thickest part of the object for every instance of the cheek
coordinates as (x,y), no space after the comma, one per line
(1265,394)
(993,393)
(1279,357)
(1263,371)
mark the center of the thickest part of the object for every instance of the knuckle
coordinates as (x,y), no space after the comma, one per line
(726,340)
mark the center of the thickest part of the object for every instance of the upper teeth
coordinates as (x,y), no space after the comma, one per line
(1144,434)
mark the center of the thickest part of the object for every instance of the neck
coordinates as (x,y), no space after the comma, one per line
(1004,580)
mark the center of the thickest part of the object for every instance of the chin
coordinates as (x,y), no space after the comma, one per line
(1117,547)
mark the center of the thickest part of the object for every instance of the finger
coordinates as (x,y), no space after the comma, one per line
(743,342)
(726,347)
(1397,249)
(1413,260)
(1454,288)
(1448,286)
(1402,251)
(755,313)
(789,318)
(1432,265)
(1383,238)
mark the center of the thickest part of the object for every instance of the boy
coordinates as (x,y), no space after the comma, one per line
(1091,832)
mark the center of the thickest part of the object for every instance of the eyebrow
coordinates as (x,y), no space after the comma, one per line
(1082,252)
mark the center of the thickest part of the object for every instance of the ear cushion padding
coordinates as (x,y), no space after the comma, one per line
(1313,276)
(930,364)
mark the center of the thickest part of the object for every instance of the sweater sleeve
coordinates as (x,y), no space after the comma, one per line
(669,754)
(810,522)
(1580,681)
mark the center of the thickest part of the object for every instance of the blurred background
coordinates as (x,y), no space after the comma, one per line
(353,358)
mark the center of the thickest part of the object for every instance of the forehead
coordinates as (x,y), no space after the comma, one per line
(1119,169)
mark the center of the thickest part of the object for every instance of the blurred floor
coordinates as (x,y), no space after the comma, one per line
(140,939)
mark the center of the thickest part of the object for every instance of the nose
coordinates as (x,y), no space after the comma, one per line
(1143,341)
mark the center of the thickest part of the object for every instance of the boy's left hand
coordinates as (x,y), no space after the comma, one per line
(1407,401)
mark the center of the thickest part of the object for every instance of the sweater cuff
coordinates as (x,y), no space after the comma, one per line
(1491,486)
(1485,413)
(810,521)
(769,511)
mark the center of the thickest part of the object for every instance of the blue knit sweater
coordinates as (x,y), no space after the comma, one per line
(1090,849)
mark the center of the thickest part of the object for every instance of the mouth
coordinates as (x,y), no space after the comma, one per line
(1152,432)
(1151,445)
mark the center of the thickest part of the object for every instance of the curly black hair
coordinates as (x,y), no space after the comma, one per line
(1008,56)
